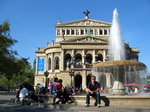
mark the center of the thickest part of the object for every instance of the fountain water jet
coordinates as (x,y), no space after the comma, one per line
(117,65)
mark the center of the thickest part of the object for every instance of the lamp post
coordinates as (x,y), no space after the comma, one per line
(71,73)
(46,75)
(29,76)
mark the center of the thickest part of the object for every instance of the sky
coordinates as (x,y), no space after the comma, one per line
(32,22)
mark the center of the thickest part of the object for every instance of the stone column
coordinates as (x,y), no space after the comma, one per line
(98,32)
(104,55)
(93,60)
(84,80)
(72,56)
(46,62)
(72,81)
(107,31)
(93,32)
(79,31)
(83,58)
(62,60)
(37,65)
(102,31)
(75,31)
(52,62)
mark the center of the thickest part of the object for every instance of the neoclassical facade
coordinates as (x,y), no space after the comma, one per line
(78,45)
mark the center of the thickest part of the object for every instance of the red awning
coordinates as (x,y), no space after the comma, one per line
(131,84)
(147,85)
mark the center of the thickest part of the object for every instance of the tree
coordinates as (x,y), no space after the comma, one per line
(13,71)
(7,54)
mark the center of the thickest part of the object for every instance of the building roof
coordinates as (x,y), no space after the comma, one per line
(83,22)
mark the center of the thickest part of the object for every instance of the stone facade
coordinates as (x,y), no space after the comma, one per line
(78,45)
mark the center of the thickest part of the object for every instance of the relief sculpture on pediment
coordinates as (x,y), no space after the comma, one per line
(88,39)
(88,23)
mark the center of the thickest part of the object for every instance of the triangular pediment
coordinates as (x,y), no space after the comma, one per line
(85,39)
(85,22)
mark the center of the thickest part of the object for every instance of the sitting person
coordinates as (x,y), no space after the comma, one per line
(66,95)
(58,93)
(93,90)
(23,93)
(41,89)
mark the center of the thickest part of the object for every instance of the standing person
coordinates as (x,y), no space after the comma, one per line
(49,86)
(53,89)
(59,92)
(93,90)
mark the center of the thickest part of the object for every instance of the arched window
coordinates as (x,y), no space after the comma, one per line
(78,61)
(99,57)
(88,61)
(78,58)
(57,63)
(89,58)
(67,60)
(49,64)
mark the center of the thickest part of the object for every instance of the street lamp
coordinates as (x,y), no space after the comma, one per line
(46,75)
(71,73)
(29,76)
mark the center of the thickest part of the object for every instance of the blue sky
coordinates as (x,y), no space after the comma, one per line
(33,21)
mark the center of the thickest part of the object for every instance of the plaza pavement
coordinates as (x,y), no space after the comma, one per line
(7,106)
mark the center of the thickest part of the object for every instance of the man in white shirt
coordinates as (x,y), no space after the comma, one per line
(23,92)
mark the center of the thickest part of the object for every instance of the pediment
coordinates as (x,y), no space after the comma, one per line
(85,22)
(85,39)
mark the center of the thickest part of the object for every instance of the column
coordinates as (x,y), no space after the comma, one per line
(102,31)
(84,80)
(62,60)
(93,32)
(37,65)
(72,81)
(108,32)
(52,62)
(73,60)
(104,55)
(45,63)
(83,58)
(98,32)
(79,32)
(93,56)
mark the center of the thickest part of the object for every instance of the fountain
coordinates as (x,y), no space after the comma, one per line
(121,71)
(116,65)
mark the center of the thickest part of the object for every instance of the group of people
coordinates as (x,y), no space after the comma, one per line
(63,93)
(59,91)
(26,94)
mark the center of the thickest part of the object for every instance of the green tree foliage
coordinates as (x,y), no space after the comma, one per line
(13,71)
(7,54)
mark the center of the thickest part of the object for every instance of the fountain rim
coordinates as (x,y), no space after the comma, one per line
(118,63)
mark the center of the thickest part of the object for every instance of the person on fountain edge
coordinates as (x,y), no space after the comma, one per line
(93,90)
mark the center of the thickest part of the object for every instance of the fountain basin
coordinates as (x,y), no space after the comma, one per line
(118,63)
(119,69)
(114,101)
